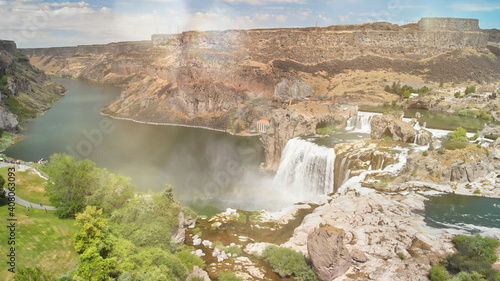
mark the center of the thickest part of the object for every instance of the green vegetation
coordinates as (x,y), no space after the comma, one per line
(456,139)
(233,250)
(42,240)
(24,112)
(438,273)
(29,186)
(425,153)
(6,140)
(401,256)
(287,262)
(387,138)
(229,276)
(116,236)
(77,184)
(481,114)
(473,260)
(30,274)
(458,94)
(477,191)
(328,130)
(405,91)
(470,90)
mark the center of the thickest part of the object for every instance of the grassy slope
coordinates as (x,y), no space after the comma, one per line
(30,186)
(42,239)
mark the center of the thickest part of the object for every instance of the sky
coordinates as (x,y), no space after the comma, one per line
(51,23)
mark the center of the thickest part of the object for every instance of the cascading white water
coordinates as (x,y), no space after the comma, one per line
(361,123)
(307,167)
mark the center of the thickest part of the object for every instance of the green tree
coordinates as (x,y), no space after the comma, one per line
(94,243)
(470,90)
(71,183)
(76,184)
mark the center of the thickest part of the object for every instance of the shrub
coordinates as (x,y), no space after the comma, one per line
(189,260)
(425,153)
(233,250)
(456,139)
(477,191)
(441,150)
(394,103)
(458,94)
(438,273)
(475,254)
(401,256)
(470,90)
(455,145)
(475,137)
(406,94)
(287,262)
(229,276)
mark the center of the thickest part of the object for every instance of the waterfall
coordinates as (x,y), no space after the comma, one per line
(307,167)
(361,123)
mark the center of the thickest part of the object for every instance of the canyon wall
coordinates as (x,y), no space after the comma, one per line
(226,80)
(25,91)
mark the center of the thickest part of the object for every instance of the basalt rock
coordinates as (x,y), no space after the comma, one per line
(388,126)
(329,256)
(24,90)
(296,89)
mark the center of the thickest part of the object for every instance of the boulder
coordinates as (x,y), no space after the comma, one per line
(329,256)
(495,149)
(178,235)
(198,274)
(434,144)
(8,121)
(423,137)
(398,130)
(292,89)
(359,256)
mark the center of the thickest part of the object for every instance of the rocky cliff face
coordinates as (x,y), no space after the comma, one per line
(383,126)
(298,120)
(457,166)
(25,90)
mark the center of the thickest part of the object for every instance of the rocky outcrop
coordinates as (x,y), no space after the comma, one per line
(297,89)
(25,91)
(283,126)
(380,226)
(449,166)
(328,254)
(495,150)
(178,235)
(356,157)
(8,121)
(297,120)
(388,126)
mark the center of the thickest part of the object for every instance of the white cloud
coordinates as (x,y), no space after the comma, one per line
(343,18)
(476,7)
(263,17)
(280,18)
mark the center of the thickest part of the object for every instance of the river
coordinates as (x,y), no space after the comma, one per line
(211,170)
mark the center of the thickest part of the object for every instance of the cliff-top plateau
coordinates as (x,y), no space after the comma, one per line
(229,80)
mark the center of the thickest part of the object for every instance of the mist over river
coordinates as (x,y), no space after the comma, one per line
(211,170)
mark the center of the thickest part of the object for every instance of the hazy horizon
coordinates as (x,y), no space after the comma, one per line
(50,23)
